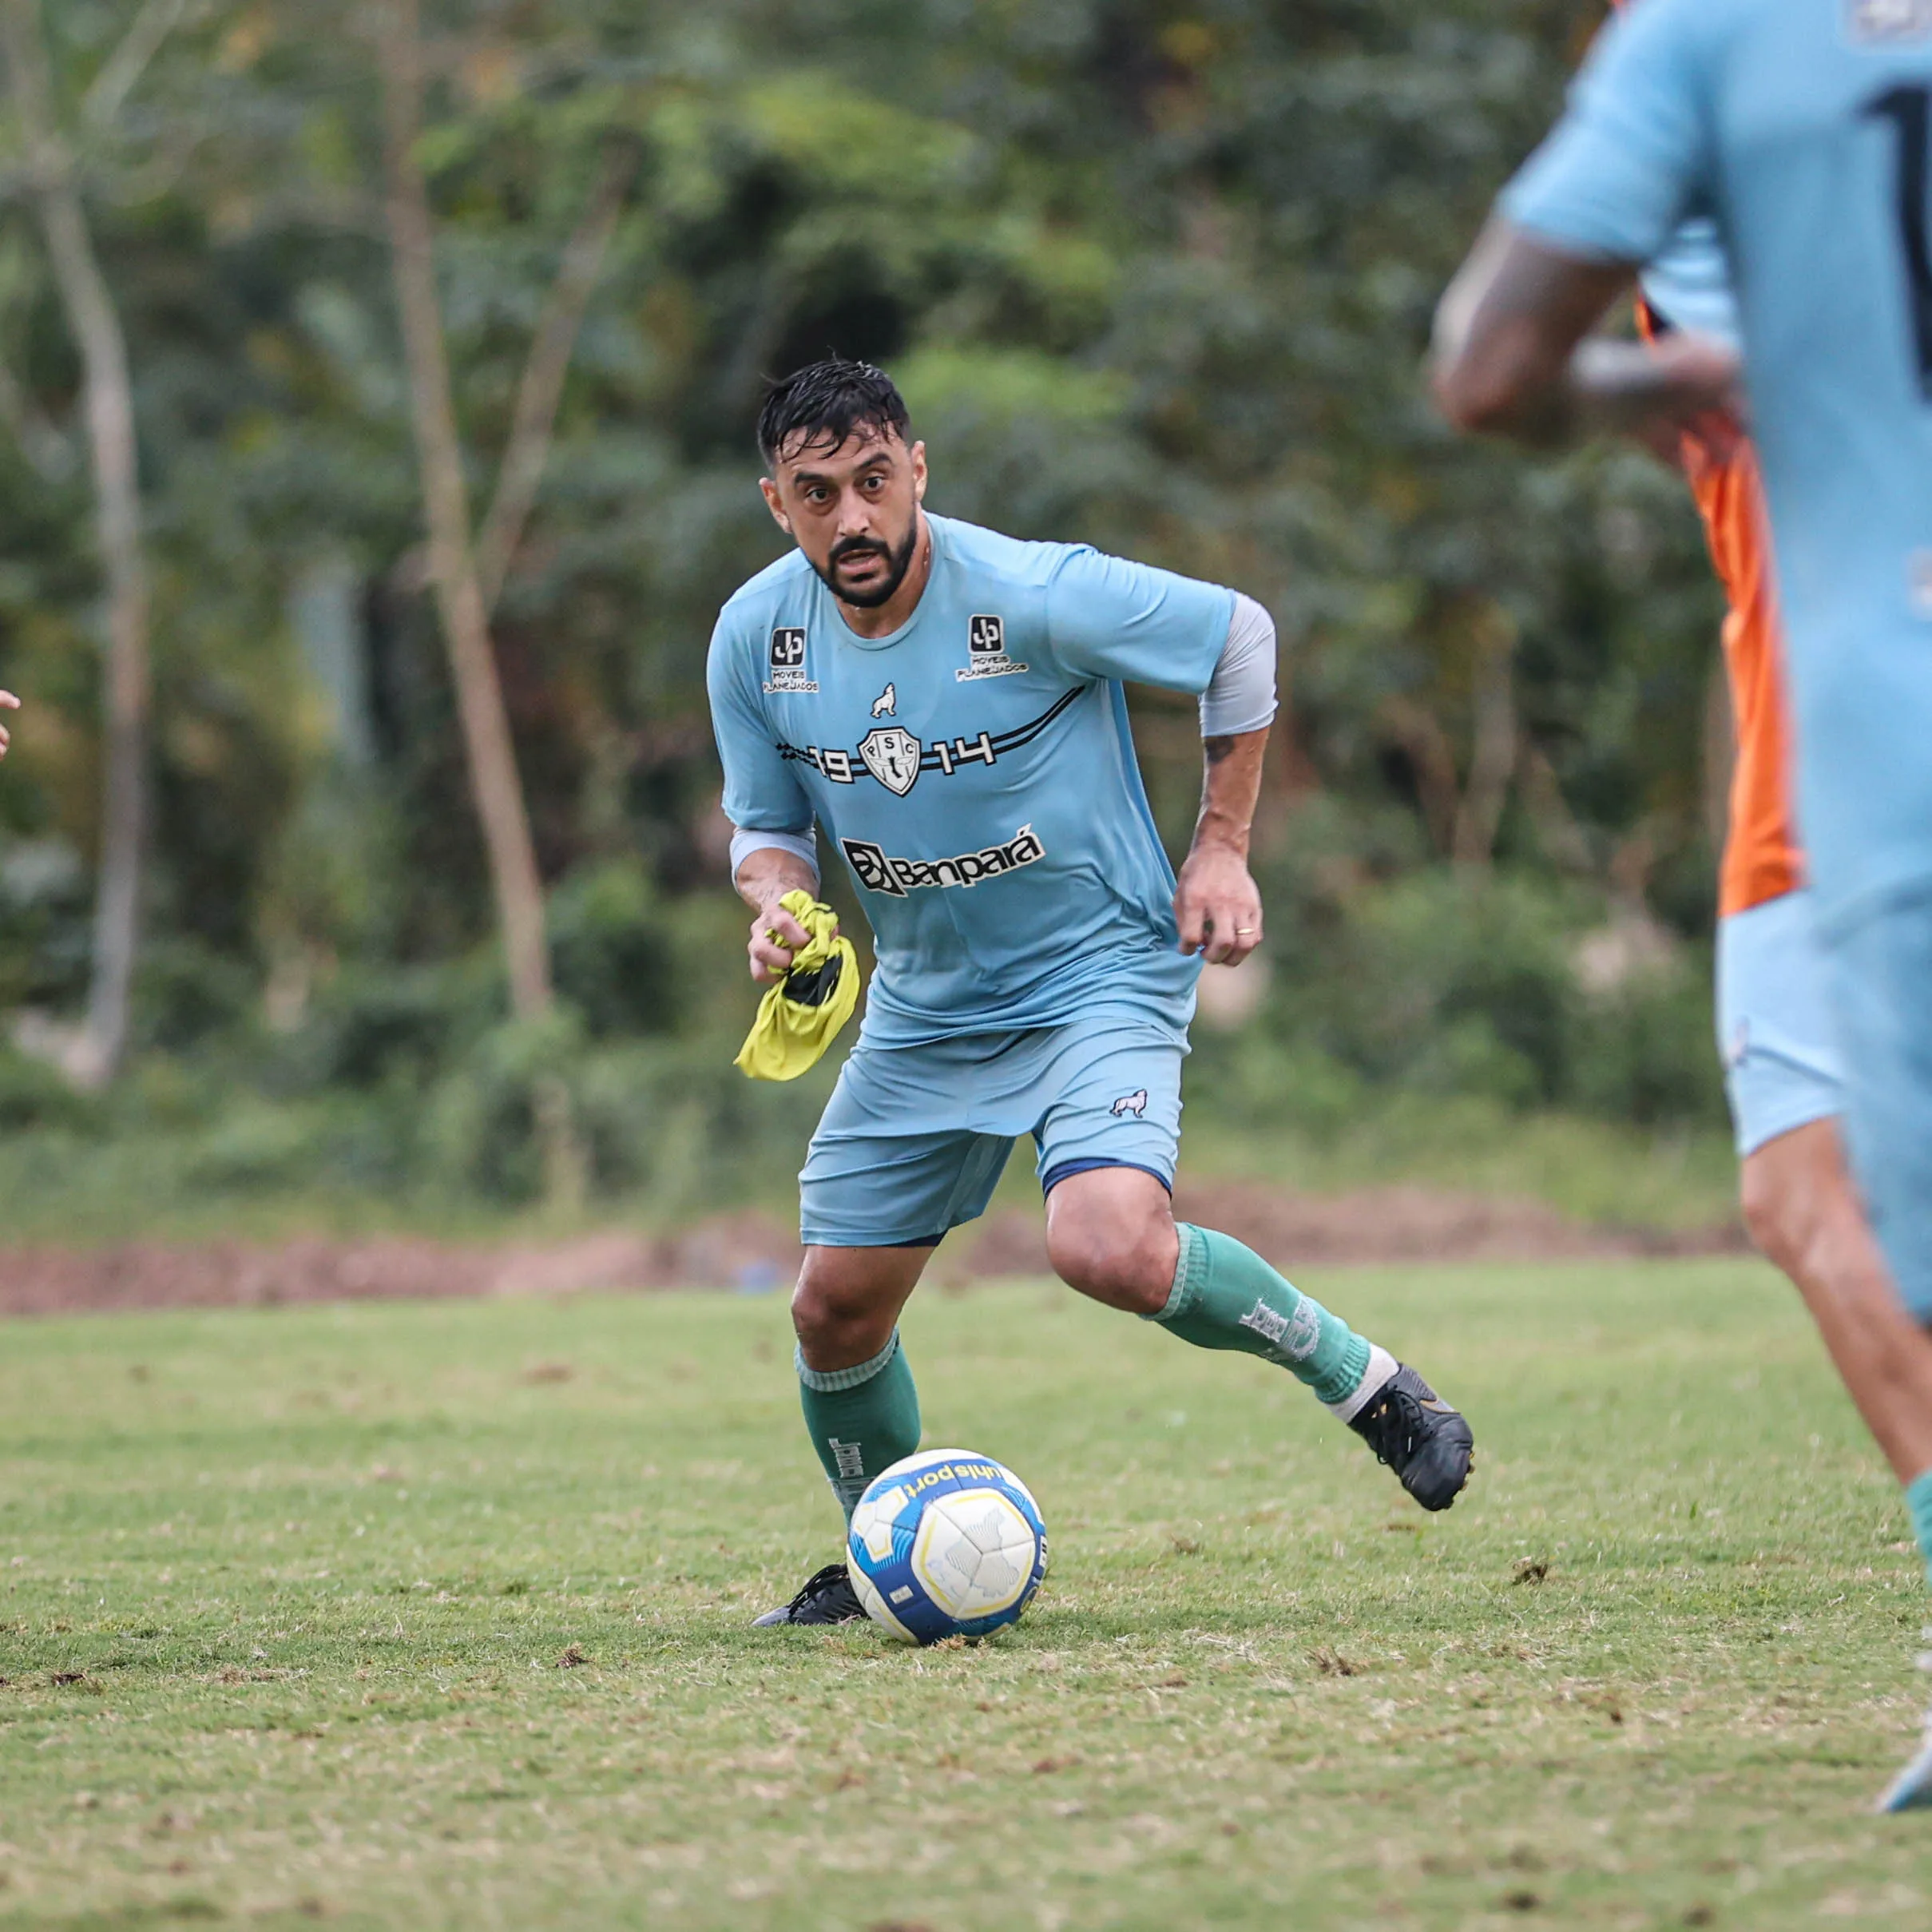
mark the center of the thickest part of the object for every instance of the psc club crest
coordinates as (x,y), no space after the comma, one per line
(891,755)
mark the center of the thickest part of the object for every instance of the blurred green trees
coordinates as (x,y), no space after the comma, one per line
(1156,276)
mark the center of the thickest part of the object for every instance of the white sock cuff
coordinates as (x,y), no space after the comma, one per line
(1381,1371)
(828,1381)
(1190,1273)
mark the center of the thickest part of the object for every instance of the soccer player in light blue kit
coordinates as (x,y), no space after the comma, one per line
(1800,129)
(945,704)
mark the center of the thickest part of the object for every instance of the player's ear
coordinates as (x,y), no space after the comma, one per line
(919,473)
(770,492)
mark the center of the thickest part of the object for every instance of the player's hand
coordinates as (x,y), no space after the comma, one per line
(776,936)
(1217,906)
(1684,385)
(8,702)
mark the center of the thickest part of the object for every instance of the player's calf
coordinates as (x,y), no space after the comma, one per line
(1111,1234)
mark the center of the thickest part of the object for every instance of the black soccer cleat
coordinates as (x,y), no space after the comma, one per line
(827,1598)
(1429,1445)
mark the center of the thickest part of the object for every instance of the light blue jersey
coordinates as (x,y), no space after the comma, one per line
(1800,129)
(975,771)
(1688,284)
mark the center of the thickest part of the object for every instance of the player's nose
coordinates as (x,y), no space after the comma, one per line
(855,515)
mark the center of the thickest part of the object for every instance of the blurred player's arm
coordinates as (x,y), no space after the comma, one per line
(1511,357)
(8,702)
(1217,904)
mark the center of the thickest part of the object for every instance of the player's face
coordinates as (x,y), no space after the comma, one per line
(854,511)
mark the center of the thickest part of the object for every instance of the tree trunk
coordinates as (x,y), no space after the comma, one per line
(110,410)
(1492,758)
(541,388)
(494,783)
(1432,760)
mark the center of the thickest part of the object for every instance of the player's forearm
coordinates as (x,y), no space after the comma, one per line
(766,873)
(1505,360)
(1230,790)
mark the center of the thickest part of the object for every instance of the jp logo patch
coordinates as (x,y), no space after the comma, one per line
(786,658)
(987,649)
(1877,23)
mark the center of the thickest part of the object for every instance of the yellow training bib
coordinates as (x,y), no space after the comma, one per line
(800,1013)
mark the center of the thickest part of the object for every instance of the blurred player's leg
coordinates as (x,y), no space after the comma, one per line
(1805,1216)
(1782,1032)
(1112,1235)
(1881,966)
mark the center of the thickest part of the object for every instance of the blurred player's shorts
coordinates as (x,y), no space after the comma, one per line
(1777,1028)
(914,1139)
(1881,968)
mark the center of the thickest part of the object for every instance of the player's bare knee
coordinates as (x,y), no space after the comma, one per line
(1787,1212)
(1766,1203)
(1127,1265)
(836,1326)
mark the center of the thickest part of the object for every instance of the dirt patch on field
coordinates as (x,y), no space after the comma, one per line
(749,1252)
(754,1252)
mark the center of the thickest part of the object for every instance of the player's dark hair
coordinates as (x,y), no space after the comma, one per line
(824,402)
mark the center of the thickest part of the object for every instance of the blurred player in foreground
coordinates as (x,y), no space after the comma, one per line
(946,703)
(1800,131)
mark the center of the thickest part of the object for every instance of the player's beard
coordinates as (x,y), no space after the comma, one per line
(897,562)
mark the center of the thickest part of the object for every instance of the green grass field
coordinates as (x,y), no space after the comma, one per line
(436,1615)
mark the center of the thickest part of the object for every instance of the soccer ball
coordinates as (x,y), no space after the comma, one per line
(946,1543)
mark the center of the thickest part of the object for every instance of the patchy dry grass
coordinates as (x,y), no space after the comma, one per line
(421,1616)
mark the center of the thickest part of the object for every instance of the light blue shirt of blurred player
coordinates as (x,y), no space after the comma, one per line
(1689,285)
(975,771)
(1799,130)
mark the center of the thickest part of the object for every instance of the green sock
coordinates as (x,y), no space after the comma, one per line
(1918,1500)
(1226,1296)
(861,1419)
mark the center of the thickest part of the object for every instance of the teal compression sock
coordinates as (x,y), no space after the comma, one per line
(1226,1296)
(1918,1500)
(861,1420)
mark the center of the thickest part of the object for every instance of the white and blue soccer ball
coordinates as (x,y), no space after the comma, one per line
(946,1543)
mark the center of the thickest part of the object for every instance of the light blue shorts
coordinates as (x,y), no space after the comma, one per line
(1881,983)
(914,1139)
(1776,1025)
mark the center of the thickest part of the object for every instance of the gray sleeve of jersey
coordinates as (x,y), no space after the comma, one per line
(800,845)
(1241,697)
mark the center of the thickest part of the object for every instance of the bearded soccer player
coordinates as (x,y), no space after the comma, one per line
(1796,135)
(946,704)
